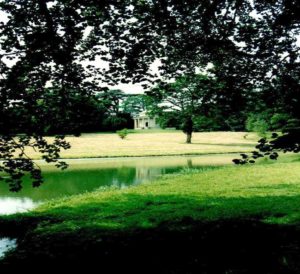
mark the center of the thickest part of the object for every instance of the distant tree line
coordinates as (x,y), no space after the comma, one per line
(196,103)
(89,114)
(190,101)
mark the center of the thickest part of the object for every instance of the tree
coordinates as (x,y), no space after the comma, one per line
(41,45)
(257,122)
(283,116)
(188,97)
(134,104)
(44,79)
(48,44)
(249,43)
(116,118)
(112,99)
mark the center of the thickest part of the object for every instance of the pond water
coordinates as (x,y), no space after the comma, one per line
(6,244)
(86,175)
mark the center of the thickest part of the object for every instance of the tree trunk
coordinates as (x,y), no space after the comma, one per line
(188,129)
(189,137)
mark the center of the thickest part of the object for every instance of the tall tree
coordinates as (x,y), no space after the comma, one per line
(112,99)
(134,104)
(189,96)
(43,79)
(249,43)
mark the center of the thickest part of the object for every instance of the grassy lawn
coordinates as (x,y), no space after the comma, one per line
(211,194)
(156,143)
(268,192)
(255,197)
(245,218)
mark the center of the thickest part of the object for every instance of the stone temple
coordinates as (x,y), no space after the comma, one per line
(144,121)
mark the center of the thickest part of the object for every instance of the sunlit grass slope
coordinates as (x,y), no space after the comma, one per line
(269,193)
(157,143)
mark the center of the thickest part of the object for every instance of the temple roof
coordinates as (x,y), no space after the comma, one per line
(142,114)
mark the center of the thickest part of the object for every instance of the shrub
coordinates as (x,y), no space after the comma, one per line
(257,123)
(279,121)
(122,133)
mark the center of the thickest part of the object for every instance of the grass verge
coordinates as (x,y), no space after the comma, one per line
(234,215)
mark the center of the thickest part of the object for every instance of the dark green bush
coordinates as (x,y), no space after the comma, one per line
(122,133)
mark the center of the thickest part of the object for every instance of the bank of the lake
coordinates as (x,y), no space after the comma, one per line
(86,175)
(226,220)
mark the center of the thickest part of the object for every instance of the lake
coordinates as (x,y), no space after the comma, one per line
(85,175)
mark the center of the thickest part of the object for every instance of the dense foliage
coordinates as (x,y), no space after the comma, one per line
(134,104)
(188,97)
(51,50)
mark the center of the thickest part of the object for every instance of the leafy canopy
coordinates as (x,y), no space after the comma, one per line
(188,96)
(49,51)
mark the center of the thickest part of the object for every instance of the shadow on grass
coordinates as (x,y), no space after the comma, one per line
(163,234)
(227,144)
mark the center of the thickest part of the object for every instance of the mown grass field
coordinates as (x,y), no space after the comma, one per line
(248,204)
(268,192)
(156,143)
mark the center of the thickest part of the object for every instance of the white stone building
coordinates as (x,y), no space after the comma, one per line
(143,121)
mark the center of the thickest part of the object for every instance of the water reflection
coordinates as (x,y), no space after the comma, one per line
(7,244)
(89,174)
(10,205)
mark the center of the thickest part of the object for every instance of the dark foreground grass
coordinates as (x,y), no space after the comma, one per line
(225,220)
